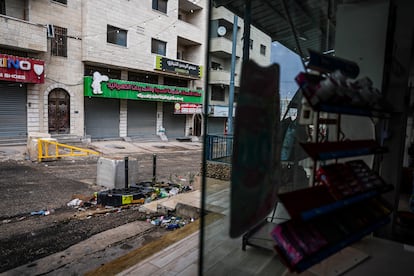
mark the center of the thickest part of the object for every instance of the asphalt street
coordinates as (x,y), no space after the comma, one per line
(28,187)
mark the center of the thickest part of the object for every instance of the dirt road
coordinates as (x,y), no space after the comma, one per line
(30,186)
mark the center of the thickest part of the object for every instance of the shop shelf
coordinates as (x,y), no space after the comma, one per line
(309,84)
(342,149)
(300,208)
(332,249)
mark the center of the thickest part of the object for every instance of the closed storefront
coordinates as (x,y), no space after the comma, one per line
(16,72)
(216,125)
(142,119)
(13,113)
(147,108)
(102,118)
(174,124)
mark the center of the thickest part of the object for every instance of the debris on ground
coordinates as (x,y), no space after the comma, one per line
(41,213)
(141,193)
(76,202)
(170,222)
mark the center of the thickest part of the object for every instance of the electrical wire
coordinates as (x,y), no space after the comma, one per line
(295,35)
(67,84)
(157,17)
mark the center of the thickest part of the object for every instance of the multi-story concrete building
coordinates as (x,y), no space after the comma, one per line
(221,38)
(103,69)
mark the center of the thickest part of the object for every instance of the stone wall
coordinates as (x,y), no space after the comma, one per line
(218,170)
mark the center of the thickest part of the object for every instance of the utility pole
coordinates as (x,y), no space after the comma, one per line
(232,71)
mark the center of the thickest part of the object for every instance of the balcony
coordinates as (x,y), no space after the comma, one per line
(190,12)
(222,47)
(222,77)
(189,32)
(22,35)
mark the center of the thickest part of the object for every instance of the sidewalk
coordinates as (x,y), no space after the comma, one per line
(124,147)
(12,153)
(111,148)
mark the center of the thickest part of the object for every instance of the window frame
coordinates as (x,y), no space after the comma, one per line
(218,98)
(171,81)
(216,66)
(113,35)
(63,2)
(263,49)
(155,47)
(3,7)
(157,5)
(59,43)
(142,77)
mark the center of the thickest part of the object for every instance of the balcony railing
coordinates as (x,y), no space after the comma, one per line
(222,77)
(223,47)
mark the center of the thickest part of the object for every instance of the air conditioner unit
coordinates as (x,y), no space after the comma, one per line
(50,31)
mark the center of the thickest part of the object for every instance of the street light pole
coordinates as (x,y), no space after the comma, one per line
(232,71)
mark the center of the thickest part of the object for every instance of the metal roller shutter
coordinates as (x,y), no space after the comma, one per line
(102,118)
(142,119)
(13,112)
(174,124)
(216,125)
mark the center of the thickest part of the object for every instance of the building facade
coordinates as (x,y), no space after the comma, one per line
(110,69)
(221,37)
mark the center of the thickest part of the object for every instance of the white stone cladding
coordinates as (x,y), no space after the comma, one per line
(86,23)
(142,24)
(60,72)
(222,77)
(17,33)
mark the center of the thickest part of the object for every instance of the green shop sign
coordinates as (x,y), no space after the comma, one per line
(110,88)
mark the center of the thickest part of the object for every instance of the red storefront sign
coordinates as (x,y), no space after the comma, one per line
(20,69)
(187,108)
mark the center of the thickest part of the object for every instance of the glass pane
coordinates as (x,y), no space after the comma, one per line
(122,38)
(252,252)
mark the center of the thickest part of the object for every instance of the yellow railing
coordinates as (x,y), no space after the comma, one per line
(60,150)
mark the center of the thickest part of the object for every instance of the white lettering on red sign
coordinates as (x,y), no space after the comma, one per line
(15,64)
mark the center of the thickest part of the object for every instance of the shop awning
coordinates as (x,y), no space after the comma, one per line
(313,21)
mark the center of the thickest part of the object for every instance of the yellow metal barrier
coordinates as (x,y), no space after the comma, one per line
(61,150)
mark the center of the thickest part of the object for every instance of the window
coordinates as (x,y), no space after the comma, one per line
(59,42)
(111,73)
(251,44)
(158,47)
(61,1)
(159,5)
(175,82)
(217,93)
(116,36)
(2,6)
(142,77)
(262,49)
(216,66)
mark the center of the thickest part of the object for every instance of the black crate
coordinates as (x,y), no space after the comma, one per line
(119,197)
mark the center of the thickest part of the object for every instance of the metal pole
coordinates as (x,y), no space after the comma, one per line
(154,168)
(126,172)
(232,70)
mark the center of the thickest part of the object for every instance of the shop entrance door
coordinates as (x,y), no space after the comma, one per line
(58,109)
(197,125)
